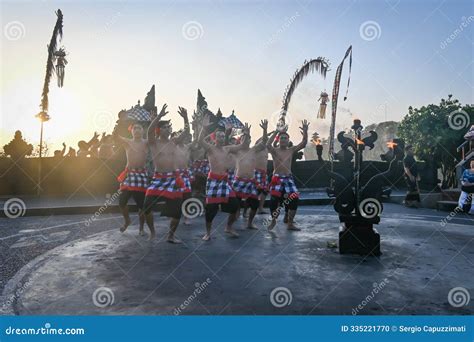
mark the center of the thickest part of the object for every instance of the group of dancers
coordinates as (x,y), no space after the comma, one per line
(236,173)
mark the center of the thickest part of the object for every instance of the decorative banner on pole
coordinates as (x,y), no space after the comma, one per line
(335,95)
(319,65)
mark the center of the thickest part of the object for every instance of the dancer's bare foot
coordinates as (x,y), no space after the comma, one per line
(231,232)
(152,236)
(251,226)
(172,239)
(291,226)
(206,237)
(272,224)
(125,225)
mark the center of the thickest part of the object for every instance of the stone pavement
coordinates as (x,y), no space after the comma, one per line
(81,204)
(259,273)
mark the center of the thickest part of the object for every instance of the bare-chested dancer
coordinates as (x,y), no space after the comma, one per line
(231,158)
(134,179)
(261,175)
(165,185)
(182,158)
(199,168)
(218,189)
(282,182)
(245,184)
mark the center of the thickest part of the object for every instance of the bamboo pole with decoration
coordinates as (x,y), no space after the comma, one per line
(335,95)
(319,65)
(53,54)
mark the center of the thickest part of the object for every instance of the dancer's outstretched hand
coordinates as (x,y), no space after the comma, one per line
(264,124)
(304,126)
(163,111)
(182,112)
(246,129)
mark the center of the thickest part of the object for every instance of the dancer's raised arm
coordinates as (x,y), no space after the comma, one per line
(304,132)
(244,143)
(151,129)
(271,140)
(263,140)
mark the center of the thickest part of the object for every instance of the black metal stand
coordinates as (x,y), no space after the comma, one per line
(358,236)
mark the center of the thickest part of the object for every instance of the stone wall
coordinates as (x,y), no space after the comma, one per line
(75,176)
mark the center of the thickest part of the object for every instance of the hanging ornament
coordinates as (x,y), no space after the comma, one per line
(60,65)
(281,126)
(324,99)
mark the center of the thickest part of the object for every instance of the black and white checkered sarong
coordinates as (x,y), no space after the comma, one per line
(245,187)
(218,189)
(282,184)
(135,180)
(164,184)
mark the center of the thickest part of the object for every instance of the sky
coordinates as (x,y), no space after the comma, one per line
(241,54)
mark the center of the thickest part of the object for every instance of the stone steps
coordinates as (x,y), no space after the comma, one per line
(446,205)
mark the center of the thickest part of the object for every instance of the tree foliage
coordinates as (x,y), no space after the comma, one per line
(435,131)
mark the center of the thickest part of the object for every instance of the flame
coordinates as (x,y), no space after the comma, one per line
(359,142)
(317,142)
(391,144)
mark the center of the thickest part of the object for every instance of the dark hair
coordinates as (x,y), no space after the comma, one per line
(163,123)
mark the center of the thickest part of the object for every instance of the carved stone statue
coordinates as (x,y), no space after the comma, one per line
(18,148)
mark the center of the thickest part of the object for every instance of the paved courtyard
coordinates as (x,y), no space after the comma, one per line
(79,269)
